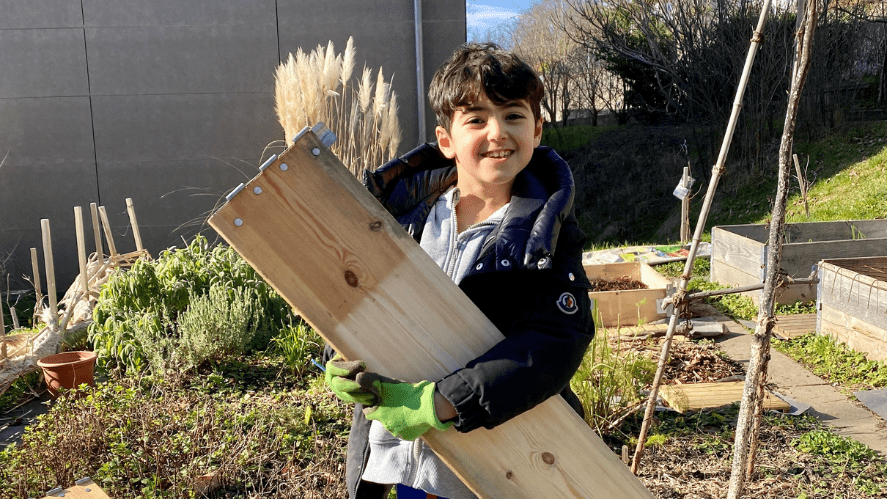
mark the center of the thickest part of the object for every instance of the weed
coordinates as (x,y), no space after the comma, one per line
(835,362)
(608,382)
(150,437)
(298,344)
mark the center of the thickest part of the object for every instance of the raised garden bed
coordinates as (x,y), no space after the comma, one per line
(739,252)
(852,303)
(627,307)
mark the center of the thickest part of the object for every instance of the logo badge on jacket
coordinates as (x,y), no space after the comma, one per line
(567,303)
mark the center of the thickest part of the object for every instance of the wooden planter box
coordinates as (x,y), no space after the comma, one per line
(852,303)
(629,307)
(739,252)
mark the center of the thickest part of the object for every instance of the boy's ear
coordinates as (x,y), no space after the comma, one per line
(537,133)
(445,143)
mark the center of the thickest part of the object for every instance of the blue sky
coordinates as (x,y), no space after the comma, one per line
(484,14)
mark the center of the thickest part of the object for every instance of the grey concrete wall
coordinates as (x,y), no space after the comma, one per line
(170,103)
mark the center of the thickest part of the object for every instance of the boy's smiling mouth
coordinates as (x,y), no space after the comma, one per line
(503,153)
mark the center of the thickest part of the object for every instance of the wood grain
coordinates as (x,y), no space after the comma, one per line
(344,264)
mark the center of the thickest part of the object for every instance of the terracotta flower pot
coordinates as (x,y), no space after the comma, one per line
(67,370)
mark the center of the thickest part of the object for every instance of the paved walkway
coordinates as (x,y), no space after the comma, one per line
(792,380)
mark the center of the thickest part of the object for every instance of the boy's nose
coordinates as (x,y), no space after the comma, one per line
(495,130)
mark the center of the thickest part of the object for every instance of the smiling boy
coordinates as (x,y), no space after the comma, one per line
(494,210)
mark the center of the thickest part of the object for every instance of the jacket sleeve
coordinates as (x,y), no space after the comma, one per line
(547,322)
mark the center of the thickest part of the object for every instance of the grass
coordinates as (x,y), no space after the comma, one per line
(848,176)
(572,137)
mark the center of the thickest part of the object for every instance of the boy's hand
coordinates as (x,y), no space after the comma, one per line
(340,376)
(404,409)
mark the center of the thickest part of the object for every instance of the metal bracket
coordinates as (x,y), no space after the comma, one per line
(323,132)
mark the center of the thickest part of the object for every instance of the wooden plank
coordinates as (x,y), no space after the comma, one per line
(737,251)
(328,247)
(798,259)
(789,327)
(836,230)
(711,395)
(855,294)
(755,232)
(857,334)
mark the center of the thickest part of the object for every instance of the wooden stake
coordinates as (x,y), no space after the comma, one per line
(717,171)
(50,269)
(96,231)
(81,249)
(748,422)
(685,208)
(134,223)
(112,248)
(35,273)
(2,340)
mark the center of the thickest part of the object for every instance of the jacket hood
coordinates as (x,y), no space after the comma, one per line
(542,199)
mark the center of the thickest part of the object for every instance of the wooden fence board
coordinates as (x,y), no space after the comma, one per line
(792,326)
(710,395)
(346,266)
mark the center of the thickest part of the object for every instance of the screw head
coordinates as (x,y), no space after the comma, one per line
(283,167)
(315,151)
(257,190)
(238,222)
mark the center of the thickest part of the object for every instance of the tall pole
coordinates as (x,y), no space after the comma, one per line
(678,299)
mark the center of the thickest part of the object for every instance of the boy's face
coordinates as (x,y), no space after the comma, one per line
(491,143)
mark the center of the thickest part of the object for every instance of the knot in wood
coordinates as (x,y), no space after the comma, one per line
(351,278)
(548,458)
(376,226)
(508,475)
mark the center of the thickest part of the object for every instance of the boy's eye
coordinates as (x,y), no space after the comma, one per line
(474,121)
(515,116)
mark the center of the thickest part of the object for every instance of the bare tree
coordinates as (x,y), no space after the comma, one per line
(545,46)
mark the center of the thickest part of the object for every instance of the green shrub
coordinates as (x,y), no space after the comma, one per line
(193,297)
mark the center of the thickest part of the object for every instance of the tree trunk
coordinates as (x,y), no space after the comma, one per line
(747,426)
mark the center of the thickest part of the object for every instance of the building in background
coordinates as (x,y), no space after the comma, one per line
(171,103)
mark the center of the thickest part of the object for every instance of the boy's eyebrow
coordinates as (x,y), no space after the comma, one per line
(473,107)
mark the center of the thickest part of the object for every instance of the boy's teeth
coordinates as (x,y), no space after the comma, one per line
(498,154)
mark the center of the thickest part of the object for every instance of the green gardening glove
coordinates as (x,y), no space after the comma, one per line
(340,377)
(406,410)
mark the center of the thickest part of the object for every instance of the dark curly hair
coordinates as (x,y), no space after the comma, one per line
(482,67)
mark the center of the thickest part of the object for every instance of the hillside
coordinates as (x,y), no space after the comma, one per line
(625,177)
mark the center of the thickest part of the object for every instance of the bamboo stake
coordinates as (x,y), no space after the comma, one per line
(81,248)
(50,269)
(748,423)
(2,340)
(14,315)
(112,248)
(679,297)
(38,293)
(96,231)
(35,272)
(134,223)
